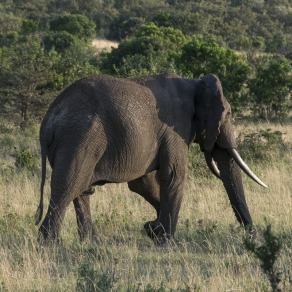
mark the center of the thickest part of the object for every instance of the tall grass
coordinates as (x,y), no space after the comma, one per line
(208,253)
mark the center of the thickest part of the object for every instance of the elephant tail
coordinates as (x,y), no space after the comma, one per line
(39,212)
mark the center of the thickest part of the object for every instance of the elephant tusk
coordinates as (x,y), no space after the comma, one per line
(211,164)
(235,155)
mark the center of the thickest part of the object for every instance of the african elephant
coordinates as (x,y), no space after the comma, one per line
(104,129)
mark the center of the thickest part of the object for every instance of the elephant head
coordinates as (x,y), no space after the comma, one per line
(215,135)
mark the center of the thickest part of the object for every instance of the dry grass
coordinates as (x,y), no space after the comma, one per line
(286,129)
(104,45)
(208,254)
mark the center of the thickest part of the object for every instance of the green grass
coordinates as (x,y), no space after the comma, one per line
(208,254)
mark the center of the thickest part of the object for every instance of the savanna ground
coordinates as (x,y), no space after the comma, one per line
(208,254)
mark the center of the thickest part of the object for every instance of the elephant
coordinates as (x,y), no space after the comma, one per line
(104,129)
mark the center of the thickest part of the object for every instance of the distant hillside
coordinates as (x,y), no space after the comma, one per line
(263,25)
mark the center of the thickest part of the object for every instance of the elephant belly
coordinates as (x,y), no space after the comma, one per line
(125,165)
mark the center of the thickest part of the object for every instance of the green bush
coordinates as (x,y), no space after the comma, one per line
(196,162)
(203,55)
(270,89)
(268,253)
(264,145)
(75,24)
(150,50)
(26,159)
(125,25)
(89,279)
(60,41)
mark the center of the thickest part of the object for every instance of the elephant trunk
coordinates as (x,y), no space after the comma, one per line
(226,140)
(231,177)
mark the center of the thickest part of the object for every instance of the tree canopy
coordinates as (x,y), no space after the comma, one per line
(46,45)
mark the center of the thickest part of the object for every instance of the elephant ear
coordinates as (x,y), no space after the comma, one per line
(214,107)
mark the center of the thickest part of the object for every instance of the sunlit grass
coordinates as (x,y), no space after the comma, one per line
(104,45)
(208,253)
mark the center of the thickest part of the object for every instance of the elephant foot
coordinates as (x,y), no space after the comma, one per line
(89,234)
(156,232)
(46,238)
(251,232)
(49,232)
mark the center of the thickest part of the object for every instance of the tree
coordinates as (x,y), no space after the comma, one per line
(124,26)
(203,54)
(30,75)
(151,49)
(74,63)
(188,22)
(75,24)
(270,89)
(60,41)
(24,71)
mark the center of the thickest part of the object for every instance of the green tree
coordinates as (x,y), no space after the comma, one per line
(203,54)
(75,24)
(188,22)
(74,63)
(23,74)
(156,49)
(124,26)
(152,49)
(9,28)
(30,75)
(28,27)
(270,89)
(60,41)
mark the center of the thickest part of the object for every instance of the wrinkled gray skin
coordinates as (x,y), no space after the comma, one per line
(104,129)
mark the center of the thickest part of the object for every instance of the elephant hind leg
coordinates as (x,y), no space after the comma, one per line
(83,215)
(50,228)
(67,183)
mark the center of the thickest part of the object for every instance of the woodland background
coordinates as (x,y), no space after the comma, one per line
(46,45)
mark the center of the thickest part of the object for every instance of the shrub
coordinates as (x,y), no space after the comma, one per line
(203,55)
(270,89)
(266,145)
(89,279)
(150,50)
(26,159)
(75,24)
(60,41)
(196,163)
(268,253)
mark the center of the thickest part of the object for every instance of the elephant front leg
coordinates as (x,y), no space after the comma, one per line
(148,187)
(83,215)
(171,193)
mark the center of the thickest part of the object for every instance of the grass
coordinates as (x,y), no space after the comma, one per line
(104,45)
(208,254)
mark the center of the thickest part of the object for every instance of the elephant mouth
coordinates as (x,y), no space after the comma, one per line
(237,158)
